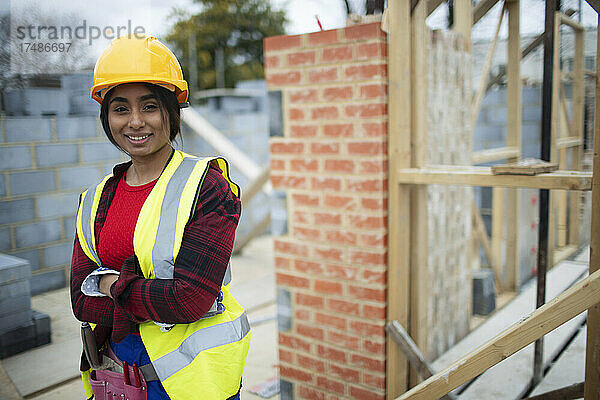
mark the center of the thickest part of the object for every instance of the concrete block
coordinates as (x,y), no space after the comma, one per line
(47,281)
(8,322)
(494,97)
(13,269)
(31,182)
(531,113)
(13,305)
(15,157)
(58,254)
(497,115)
(284,310)
(76,127)
(57,205)
(75,81)
(69,227)
(42,327)
(16,210)
(56,154)
(286,390)
(100,151)
(275,112)
(29,129)
(32,256)
(81,104)
(2,185)
(5,242)
(532,95)
(37,233)
(17,339)
(484,295)
(15,289)
(79,178)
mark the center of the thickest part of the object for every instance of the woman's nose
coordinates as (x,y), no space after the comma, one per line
(136,121)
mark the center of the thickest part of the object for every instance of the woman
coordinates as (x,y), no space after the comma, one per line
(154,238)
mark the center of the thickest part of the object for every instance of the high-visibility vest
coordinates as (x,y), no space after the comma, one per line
(204,359)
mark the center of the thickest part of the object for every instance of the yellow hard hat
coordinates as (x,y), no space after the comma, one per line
(133,59)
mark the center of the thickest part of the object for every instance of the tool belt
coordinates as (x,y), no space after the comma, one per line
(112,378)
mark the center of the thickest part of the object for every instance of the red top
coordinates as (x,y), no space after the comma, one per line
(115,242)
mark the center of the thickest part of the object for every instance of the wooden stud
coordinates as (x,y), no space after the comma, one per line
(463,20)
(592,355)
(399,155)
(498,228)
(482,8)
(482,236)
(501,153)
(562,195)
(556,312)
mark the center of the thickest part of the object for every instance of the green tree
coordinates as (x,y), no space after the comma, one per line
(237,27)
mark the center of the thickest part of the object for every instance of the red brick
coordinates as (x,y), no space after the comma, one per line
(293,342)
(371,276)
(329,253)
(296,114)
(345,166)
(374,129)
(347,374)
(363,293)
(337,93)
(310,331)
(371,50)
(301,58)
(272,61)
(328,287)
(294,373)
(372,167)
(286,356)
(277,165)
(283,78)
(288,182)
(300,217)
(340,202)
(323,37)
(306,200)
(323,75)
(330,320)
(309,300)
(370,364)
(346,341)
(373,91)
(338,130)
(331,385)
(331,354)
(308,267)
(328,112)
(302,315)
(337,54)
(310,393)
(373,240)
(366,110)
(374,381)
(369,71)
(324,218)
(368,258)
(290,248)
(292,280)
(303,96)
(367,148)
(286,148)
(374,347)
(311,363)
(283,263)
(342,272)
(343,306)
(304,165)
(307,234)
(363,394)
(325,148)
(362,185)
(303,131)
(373,204)
(319,183)
(364,31)
(366,222)
(282,42)
(341,237)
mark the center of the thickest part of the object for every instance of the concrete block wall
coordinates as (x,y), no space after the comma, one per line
(45,163)
(332,163)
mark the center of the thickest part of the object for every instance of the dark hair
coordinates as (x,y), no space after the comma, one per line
(169,105)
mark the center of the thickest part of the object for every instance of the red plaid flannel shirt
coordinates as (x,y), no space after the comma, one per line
(199,269)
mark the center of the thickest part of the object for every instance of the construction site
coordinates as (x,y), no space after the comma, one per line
(419,219)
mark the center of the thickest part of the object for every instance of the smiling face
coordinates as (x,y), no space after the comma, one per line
(137,122)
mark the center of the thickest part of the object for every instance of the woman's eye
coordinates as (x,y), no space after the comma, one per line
(120,109)
(150,107)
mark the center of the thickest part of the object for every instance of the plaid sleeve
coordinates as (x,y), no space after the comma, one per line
(98,310)
(200,266)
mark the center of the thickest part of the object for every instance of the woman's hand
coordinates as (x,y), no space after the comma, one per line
(106,282)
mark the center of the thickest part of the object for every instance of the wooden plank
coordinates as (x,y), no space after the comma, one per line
(419,283)
(528,166)
(482,8)
(501,153)
(567,305)
(498,228)
(578,129)
(482,176)
(592,355)
(463,20)
(563,253)
(399,155)
(481,235)
(432,5)
(561,196)
(566,20)
(567,142)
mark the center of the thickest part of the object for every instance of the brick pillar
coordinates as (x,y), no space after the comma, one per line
(332,164)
